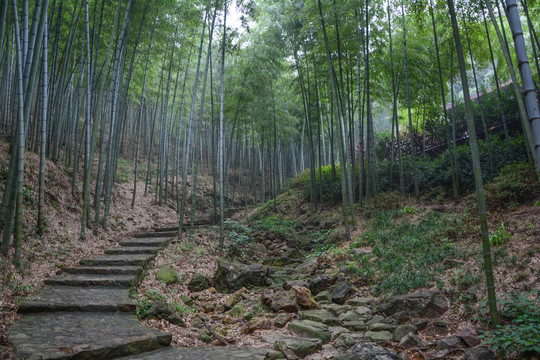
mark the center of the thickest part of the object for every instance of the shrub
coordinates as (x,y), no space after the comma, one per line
(515,183)
(520,332)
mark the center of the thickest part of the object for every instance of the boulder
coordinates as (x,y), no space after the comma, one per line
(186,300)
(449,343)
(310,329)
(161,310)
(307,266)
(323,296)
(301,347)
(347,340)
(237,310)
(382,327)
(320,315)
(371,351)
(411,340)
(379,335)
(342,291)
(167,275)
(234,276)
(259,323)
(198,282)
(319,283)
(304,298)
(479,354)
(235,298)
(289,284)
(355,325)
(282,319)
(363,301)
(425,303)
(279,299)
(468,337)
(403,330)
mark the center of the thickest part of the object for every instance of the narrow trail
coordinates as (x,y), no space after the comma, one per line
(86,312)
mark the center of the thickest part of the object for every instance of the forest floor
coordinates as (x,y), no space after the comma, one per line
(398,247)
(61,247)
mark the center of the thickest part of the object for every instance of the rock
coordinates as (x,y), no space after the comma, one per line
(161,310)
(282,319)
(259,323)
(288,285)
(468,337)
(310,329)
(342,291)
(234,276)
(205,338)
(323,296)
(167,275)
(337,309)
(208,307)
(371,351)
(403,330)
(307,266)
(279,277)
(420,324)
(198,282)
(376,319)
(425,303)
(411,340)
(235,298)
(237,310)
(378,335)
(319,283)
(363,301)
(335,331)
(304,298)
(355,325)
(360,313)
(479,354)
(320,315)
(280,300)
(382,327)
(449,343)
(346,340)
(301,347)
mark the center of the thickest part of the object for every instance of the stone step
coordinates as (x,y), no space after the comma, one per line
(83,336)
(137,242)
(74,298)
(104,270)
(208,353)
(85,280)
(119,260)
(158,234)
(133,250)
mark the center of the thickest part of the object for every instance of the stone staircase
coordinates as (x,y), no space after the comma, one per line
(86,313)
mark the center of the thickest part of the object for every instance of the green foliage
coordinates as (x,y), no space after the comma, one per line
(520,334)
(405,256)
(145,302)
(500,236)
(331,188)
(514,184)
(276,225)
(322,243)
(239,236)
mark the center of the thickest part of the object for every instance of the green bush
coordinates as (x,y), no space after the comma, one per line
(276,225)
(520,332)
(515,183)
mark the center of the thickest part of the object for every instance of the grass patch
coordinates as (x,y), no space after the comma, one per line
(406,256)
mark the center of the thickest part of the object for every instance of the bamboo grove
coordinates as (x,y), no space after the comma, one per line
(365,89)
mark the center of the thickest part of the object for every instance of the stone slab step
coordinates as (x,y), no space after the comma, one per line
(83,336)
(133,250)
(74,298)
(137,242)
(157,234)
(122,281)
(104,270)
(119,260)
(207,353)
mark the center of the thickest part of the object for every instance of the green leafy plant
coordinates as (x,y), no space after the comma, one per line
(500,236)
(144,303)
(519,335)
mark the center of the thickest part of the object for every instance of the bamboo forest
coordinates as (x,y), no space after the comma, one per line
(270,179)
